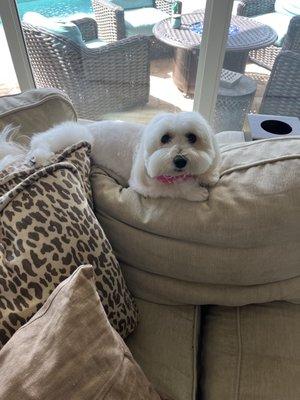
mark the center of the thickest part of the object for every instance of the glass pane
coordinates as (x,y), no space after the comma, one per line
(260,78)
(8,80)
(113,83)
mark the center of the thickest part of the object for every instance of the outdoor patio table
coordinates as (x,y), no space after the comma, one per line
(244,35)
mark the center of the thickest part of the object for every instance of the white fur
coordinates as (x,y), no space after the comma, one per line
(154,158)
(44,145)
(135,152)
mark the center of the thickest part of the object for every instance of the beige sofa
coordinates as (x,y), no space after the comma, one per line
(217,283)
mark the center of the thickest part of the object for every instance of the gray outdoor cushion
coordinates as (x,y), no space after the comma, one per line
(288,7)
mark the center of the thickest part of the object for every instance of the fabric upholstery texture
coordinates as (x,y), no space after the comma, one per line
(165,344)
(228,250)
(63,28)
(95,43)
(48,229)
(35,111)
(251,352)
(288,7)
(277,21)
(130,4)
(141,21)
(68,350)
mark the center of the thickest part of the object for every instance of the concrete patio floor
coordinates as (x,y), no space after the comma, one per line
(164,95)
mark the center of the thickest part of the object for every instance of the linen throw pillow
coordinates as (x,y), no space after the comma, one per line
(68,350)
(48,229)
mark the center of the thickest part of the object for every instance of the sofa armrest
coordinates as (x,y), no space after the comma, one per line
(88,28)
(250,8)
(110,20)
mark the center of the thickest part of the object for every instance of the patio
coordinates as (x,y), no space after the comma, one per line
(164,95)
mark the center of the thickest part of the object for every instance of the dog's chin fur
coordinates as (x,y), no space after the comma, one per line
(135,152)
(153,159)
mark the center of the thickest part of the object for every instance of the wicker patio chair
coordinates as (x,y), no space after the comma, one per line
(282,93)
(111,25)
(292,39)
(110,78)
(265,57)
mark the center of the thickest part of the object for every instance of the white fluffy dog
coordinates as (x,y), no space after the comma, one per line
(175,155)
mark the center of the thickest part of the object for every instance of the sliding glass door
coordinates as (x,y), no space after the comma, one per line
(8,79)
(131,63)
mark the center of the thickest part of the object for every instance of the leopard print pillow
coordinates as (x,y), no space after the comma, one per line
(47,230)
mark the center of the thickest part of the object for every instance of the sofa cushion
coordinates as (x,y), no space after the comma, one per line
(63,28)
(251,352)
(95,43)
(35,111)
(48,229)
(130,4)
(288,7)
(240,246)
(165,344)
(278,22)
(68,350)
(141,21)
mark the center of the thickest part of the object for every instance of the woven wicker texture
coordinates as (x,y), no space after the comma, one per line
(233,104)
(292,39)
(282,94)
(250,8)
(266,56)
(111,78)
(87,27)
(111,25)
(249,35)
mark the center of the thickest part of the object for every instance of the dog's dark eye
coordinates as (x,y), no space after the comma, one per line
(191,137)
(166,138)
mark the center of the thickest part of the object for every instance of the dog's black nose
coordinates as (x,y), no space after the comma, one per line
(180,162)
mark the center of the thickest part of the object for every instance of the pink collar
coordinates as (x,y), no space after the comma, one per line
(169,179)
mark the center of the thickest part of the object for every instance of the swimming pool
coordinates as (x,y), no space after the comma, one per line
(54,8)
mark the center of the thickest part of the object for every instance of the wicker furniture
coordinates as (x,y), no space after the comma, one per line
(111,25)
(110,78)
(248,35)
(282,93)
(266,56)
(233,104)
(292,39)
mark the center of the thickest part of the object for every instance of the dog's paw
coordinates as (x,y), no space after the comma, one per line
(199,194)
(213,179)
(39,157)
(210,179)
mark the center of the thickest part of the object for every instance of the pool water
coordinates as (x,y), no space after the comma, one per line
(54,8)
